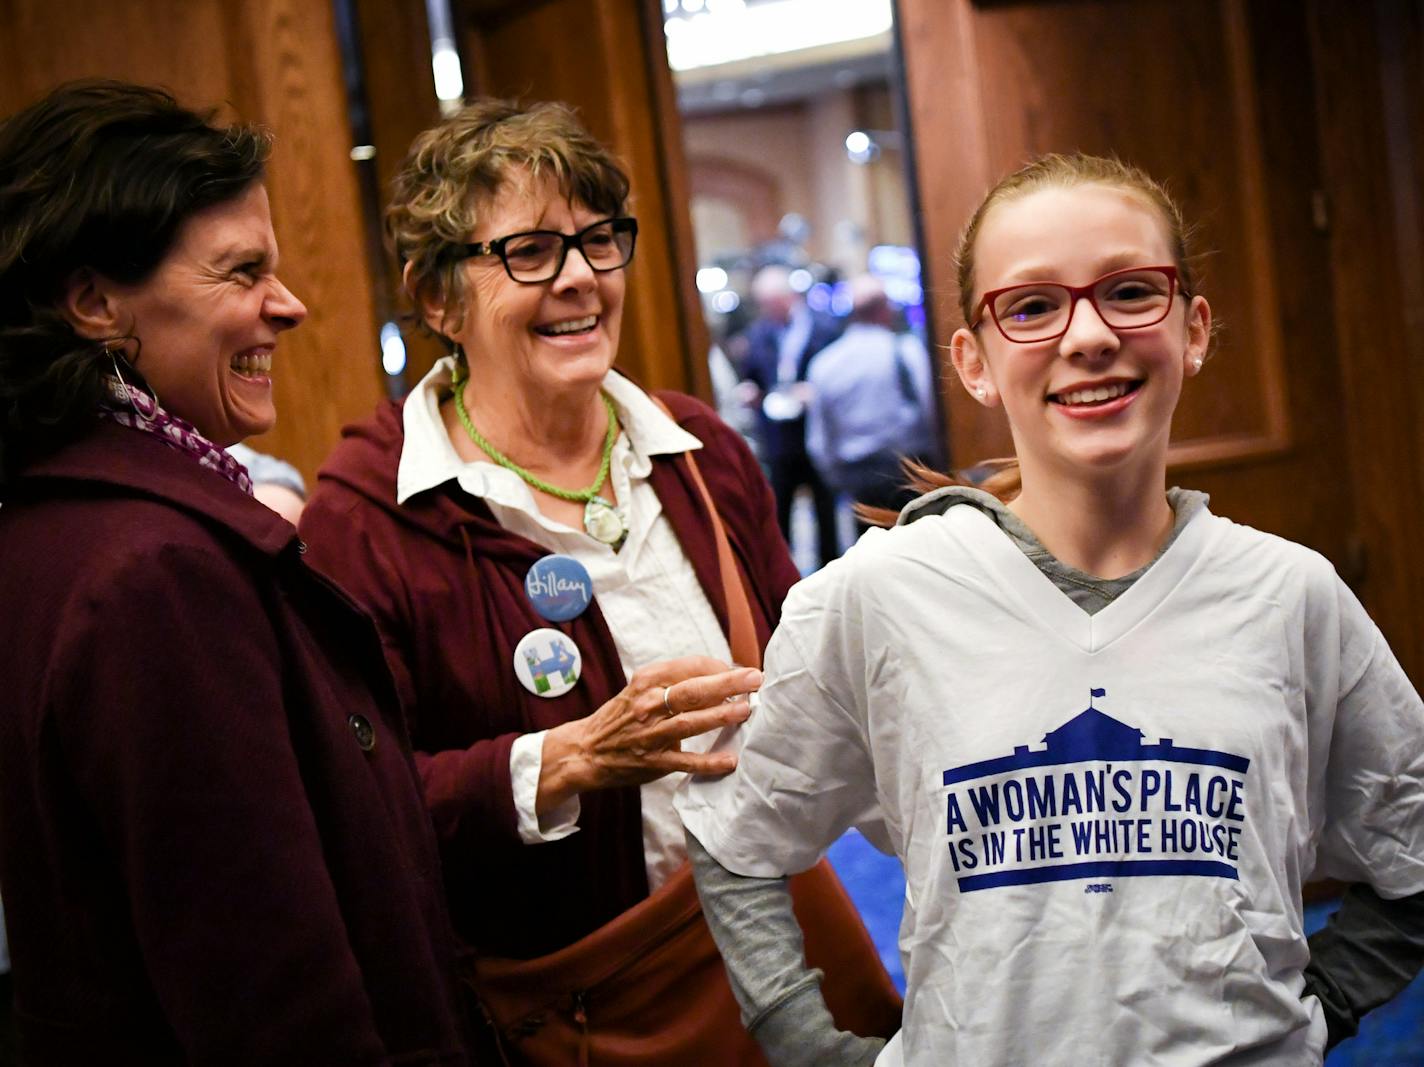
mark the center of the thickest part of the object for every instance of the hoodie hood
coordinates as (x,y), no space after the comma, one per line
(367,462)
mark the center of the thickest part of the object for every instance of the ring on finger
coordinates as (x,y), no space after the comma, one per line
(667,706)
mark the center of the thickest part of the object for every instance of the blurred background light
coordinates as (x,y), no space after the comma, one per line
(392,349)
(711,279)
(731,30)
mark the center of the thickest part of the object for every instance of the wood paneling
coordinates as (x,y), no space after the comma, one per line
(400,97)
(683,360)
(606,58)
(1370,63)
(273,62)
(177,44)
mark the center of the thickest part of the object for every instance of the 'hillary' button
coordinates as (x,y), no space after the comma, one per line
(559,587)
(364,731)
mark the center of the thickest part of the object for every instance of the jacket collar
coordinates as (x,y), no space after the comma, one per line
(114,457)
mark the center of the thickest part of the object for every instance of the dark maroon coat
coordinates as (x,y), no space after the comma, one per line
(201,860)
(445,583)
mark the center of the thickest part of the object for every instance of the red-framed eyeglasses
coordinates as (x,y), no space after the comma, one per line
(1128,299)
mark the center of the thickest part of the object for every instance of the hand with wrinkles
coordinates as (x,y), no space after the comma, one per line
(637,736)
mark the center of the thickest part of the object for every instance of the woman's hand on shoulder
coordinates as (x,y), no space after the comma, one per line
(637,736)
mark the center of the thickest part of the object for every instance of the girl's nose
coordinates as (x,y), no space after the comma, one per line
(1088,334)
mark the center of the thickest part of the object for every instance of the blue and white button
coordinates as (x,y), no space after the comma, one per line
(547,662)
(559,587)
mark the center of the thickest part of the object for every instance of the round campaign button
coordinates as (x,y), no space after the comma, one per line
(559,587)
(547,662)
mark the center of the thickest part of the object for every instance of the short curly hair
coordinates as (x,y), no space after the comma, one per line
(98,175)
(453,169)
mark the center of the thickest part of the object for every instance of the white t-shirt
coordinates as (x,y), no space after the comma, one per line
(1105,820)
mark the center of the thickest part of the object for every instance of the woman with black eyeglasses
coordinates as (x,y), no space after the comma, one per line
(562,567)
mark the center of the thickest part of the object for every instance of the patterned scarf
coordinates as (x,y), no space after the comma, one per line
(135,409)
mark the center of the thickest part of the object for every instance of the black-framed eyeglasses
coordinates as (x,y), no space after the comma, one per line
(1031,312)
(538,255)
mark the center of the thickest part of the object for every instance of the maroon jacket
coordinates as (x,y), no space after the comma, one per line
(204,859)
(445,583)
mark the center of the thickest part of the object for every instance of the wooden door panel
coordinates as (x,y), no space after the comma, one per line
(44,44)
(1369,62)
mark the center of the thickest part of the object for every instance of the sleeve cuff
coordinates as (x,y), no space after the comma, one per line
(799,1032)
(526,758)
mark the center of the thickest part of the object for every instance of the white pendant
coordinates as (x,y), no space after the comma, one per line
(603,523)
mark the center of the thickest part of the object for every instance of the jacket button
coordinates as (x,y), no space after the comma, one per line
(364,731)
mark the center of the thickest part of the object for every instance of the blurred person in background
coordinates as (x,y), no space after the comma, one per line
(562,566)
(871,404)
(727,398)
(275,482)
(779,347)
(212,843)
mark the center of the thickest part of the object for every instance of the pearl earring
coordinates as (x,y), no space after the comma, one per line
(980,392)
(1197,363)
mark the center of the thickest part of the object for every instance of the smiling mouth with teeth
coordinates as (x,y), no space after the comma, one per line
(253,364)
(558,329)
(1098,395)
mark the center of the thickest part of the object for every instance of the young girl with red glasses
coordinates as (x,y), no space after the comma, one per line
(1108,733)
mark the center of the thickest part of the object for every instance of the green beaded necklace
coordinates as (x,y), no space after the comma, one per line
(600,518)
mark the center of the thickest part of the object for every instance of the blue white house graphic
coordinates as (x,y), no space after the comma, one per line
(559,663)
(1096,791)
(1091,735)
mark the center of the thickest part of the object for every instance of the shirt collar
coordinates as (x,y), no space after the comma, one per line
(429,459)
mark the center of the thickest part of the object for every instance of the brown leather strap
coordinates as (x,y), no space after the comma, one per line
(746,652)
(741,636)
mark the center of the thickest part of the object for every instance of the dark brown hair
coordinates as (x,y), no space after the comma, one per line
(98,175)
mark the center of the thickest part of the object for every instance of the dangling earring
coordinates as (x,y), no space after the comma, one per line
(457,353)
(113,348)
(460,373)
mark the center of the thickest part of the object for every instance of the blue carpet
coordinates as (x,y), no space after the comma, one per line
(1393,1036)
(877,885)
